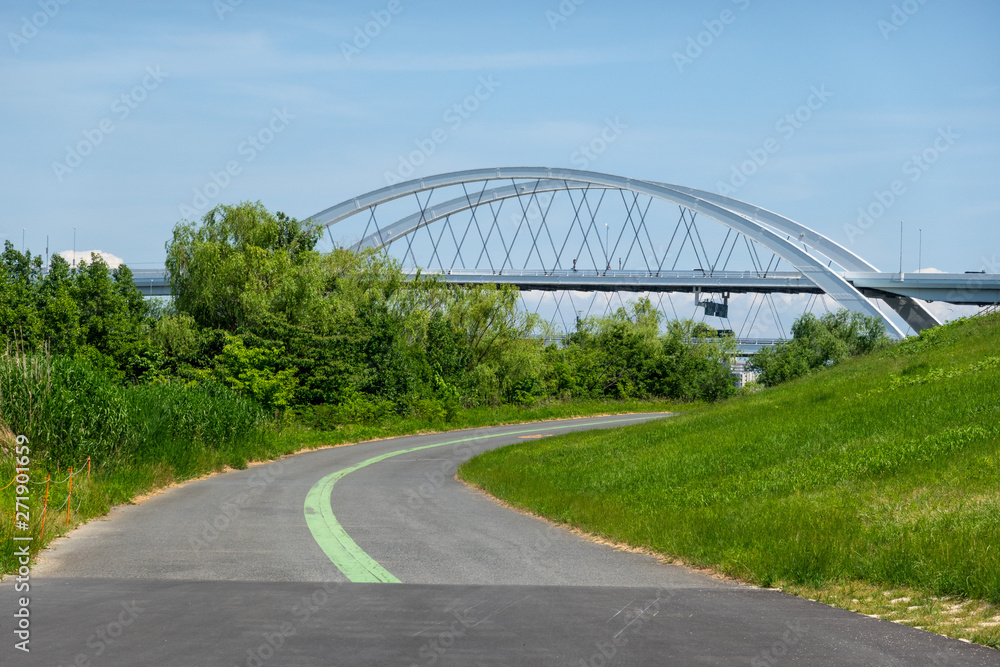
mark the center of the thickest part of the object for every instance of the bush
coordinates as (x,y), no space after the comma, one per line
(625,355)
(354,408)
(817,343)
(257,372)
(89,312)
(71,412)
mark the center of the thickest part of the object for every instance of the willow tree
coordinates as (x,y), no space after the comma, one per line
(242,263)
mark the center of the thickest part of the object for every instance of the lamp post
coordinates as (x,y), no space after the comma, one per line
(607,247)
(901,247)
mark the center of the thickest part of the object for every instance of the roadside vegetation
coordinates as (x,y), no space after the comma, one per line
(818,342)
(861,484)
(269,346)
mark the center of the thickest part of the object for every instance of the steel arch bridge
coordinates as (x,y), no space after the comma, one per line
(541,229)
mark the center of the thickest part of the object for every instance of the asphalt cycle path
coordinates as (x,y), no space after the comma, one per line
(374,554)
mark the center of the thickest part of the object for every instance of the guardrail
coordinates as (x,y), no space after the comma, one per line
(740,342)
(611,273)
(989,310)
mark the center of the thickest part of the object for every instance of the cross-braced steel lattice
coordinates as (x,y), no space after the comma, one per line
(583,240)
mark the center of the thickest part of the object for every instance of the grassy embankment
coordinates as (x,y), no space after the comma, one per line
(873,485)
(139,439)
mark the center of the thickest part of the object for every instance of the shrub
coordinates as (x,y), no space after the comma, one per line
(817,343)
(71,411)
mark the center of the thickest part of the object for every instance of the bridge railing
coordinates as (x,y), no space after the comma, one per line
(616,273)
(740,342)
(989,310)
(147,274)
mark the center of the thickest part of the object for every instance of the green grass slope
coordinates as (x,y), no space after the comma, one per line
(885,469)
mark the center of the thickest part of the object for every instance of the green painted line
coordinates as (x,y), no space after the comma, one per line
(331,537)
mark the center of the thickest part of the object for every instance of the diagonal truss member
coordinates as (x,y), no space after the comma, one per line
(806,250)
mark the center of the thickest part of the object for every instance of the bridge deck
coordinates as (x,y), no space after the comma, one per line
(790,282)
(975,289)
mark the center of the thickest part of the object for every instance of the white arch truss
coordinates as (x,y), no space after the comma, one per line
(806,250)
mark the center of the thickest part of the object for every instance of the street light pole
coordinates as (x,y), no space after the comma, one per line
(900,247)
(607,247)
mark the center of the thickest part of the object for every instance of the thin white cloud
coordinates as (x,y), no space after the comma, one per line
(409,62)
(211,56)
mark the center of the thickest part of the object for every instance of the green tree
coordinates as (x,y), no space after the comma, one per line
(697,364)
(242,263)
(258,373)
(817,343)
(59,310)
(112,318)
(89,312)
(247,272)
(362,337)
(625,355)
(503,360)
(19,317)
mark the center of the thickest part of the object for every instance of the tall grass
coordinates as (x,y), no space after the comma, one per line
(885,469)
(71,412)
(127,439)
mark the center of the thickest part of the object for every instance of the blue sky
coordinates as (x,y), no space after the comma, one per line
(199,77)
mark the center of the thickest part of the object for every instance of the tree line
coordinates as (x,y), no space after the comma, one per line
(340,336)
(343,336)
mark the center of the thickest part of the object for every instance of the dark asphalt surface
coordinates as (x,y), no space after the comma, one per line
(225,571)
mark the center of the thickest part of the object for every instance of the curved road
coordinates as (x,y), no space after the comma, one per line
(375,555)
